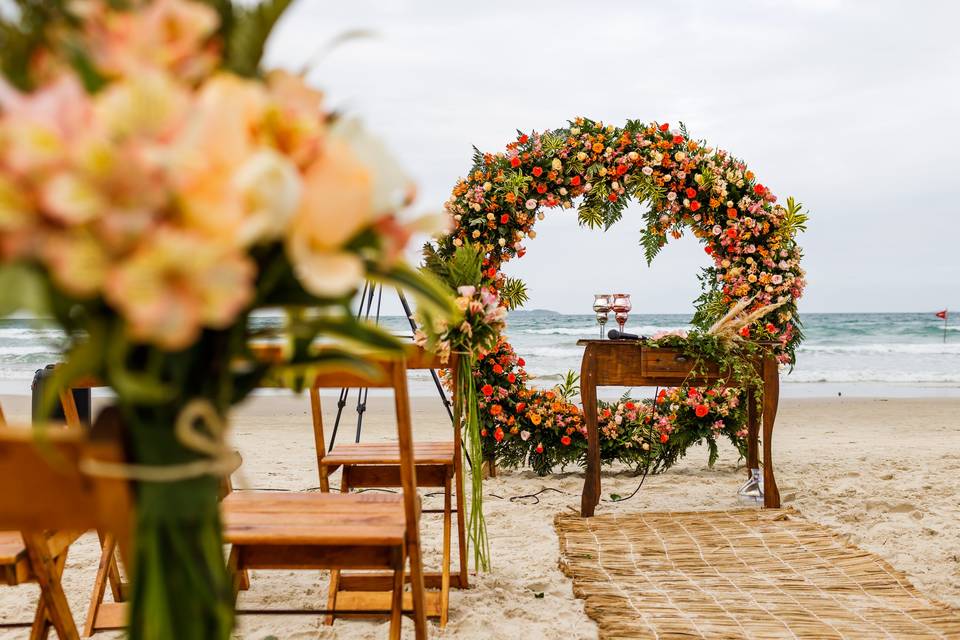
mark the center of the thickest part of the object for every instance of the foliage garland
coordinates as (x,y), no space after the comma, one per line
(686,184)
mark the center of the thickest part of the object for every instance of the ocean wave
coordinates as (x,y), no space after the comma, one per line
(551,352)
(867,375)
(914,348)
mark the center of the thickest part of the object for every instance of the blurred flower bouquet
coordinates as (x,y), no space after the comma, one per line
(156,187)
(471,333)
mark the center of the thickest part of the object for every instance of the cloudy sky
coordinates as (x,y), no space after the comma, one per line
(851,107)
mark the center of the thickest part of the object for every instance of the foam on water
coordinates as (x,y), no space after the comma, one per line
(871,350)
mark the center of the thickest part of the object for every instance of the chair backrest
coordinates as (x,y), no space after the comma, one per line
(385,374)
(44,488)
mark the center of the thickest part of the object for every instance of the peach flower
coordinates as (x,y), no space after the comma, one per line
(178,282)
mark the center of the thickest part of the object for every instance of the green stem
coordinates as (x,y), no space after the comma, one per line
(476,524)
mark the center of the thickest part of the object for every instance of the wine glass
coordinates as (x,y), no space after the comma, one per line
(621,307)
(601,305)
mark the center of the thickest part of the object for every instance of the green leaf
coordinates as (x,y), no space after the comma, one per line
(425,287)
(347,328)
(138,387)
(23,288)
(248,36)
(513,293)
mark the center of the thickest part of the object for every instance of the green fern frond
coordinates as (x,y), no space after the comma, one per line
(513,293)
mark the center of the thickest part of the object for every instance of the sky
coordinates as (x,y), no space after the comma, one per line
(851,107)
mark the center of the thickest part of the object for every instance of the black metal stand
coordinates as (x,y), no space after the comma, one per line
(371,290)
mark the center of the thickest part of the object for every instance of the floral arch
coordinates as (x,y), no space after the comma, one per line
(687,185)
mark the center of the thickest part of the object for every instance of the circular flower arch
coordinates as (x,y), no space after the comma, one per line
(686,185)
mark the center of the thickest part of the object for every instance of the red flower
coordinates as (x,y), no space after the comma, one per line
(662,395)
(701,410)
(745,332)
(539,447)
(497,369)
(665,126)
(486,390)
(664,437)
(731,213)
(771,327)
(505,218)
(521,406)
(565,441)
(483,432)
(694,205)
(537,172)
(521,362)
(732,232)
(498,434)
(514,162)
(759,189)
(496,410)
(491,272)
(621,169)
(541,188)
(523,139)
(575,181)
(691,192)
(677,139)
(511,378)
(612,197)
(630,406)
(708,250)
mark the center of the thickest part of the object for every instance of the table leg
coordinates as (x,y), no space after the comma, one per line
(753,432)
(771,399)
(588,393)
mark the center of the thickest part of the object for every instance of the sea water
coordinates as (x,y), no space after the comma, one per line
(867,354)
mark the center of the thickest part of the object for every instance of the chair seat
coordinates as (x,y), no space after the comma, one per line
(11,547)
(313,519)
(388,453)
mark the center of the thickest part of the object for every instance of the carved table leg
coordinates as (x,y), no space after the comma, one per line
(588,393)
(753,432)
(771,399)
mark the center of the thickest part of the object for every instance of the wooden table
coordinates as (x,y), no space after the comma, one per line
(633,364)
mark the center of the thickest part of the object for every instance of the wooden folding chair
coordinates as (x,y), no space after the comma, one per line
(50,503)
(376,465)
(341,531)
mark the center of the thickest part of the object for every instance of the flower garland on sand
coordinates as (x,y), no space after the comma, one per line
(686,185)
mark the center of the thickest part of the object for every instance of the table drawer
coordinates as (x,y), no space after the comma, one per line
(669,363)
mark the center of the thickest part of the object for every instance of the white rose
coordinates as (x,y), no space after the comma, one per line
(270,188)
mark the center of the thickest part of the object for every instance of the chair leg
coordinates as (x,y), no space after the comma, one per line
(40,629)
(461,520)
(335,573)
(419,595)
(108,546)
(396,604)
(54,602)
(237,574)
(445,571)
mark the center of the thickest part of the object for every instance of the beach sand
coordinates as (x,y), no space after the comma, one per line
(883,472)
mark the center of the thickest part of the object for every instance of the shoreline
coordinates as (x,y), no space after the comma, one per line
(880,471)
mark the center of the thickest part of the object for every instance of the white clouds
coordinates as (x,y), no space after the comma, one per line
(850,106)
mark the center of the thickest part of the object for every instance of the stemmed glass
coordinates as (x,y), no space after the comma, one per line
(601,305)
(621,308)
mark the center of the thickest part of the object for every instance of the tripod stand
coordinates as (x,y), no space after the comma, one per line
(371,290)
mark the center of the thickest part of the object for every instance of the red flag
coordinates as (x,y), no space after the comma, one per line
(942,314)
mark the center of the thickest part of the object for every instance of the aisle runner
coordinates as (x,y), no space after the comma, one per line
(738,574)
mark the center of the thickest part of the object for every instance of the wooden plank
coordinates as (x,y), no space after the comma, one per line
(378,603)
(111,615)
(438,453)
(374,476)
(383,581)
(337,555)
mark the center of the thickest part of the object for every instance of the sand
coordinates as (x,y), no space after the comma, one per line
(883,472)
